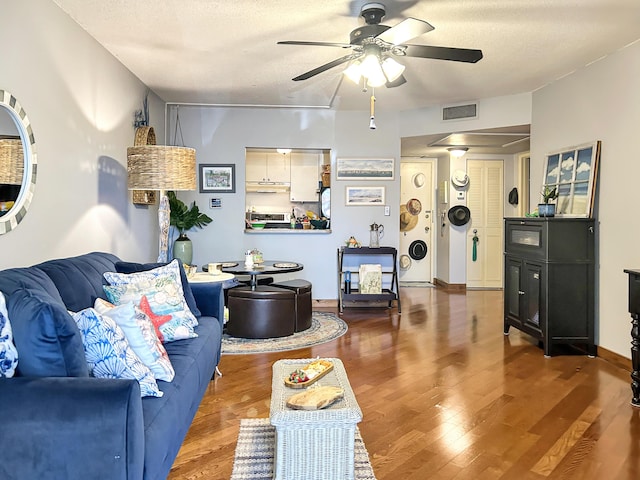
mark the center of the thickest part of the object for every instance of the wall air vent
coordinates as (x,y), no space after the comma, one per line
(458,112)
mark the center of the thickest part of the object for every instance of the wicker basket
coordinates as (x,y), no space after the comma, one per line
(11,161)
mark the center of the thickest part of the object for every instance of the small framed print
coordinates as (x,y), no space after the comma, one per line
(364,196)
(217,178)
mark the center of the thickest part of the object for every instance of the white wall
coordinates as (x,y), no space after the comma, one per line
(80,101)
(600,102)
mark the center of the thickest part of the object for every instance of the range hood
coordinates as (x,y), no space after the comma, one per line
(267,187)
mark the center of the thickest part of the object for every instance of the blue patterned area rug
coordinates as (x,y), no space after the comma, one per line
(324,328)
(255,449)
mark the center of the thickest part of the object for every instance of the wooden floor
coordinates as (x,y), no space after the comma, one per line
(445,395)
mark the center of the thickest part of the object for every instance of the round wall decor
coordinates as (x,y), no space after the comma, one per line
(459,215)
(418,250)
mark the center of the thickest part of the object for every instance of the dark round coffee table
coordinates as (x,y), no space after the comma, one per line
(267,267)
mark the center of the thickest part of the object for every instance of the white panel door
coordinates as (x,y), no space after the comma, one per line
(485,199)
(416,181)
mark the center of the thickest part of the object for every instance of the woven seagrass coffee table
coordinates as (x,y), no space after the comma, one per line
(313,444)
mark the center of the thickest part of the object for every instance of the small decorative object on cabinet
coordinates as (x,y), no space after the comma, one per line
(387,294)
(634,310)
(549,280)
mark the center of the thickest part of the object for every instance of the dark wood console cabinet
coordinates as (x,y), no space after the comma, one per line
(549,280)
(634,310)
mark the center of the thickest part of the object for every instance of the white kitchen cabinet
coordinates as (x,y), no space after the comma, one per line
(268,167)
(305,175)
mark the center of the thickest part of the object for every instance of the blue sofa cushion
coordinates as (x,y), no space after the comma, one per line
(132,267)
(46,337)
(167,419)
(79,279)
(16,278)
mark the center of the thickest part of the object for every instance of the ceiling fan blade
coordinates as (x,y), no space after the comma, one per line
(325,67)
(317,44)
(444,53)
(397,82)
(405,30)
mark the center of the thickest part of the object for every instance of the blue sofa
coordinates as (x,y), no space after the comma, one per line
(60,423)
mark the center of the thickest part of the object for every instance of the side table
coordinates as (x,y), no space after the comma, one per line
(313,444)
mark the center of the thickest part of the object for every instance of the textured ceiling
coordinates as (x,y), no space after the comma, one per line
(224,52)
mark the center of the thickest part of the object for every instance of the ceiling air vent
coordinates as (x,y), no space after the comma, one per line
(457,112)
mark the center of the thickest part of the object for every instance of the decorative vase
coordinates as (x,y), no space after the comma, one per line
(547,209)
(183,249)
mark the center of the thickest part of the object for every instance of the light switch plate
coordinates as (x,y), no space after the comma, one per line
(460,196)
(387,210)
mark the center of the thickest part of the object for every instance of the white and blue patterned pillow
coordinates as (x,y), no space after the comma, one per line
(177,328)
(162,287)
(8,352)
(108,353)
(140,333)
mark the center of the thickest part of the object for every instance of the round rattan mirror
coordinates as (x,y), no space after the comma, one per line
(18,164)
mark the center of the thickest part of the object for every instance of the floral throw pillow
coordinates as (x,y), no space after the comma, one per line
(161,286)
(170,326)
(8,352)
(109,354)
(141,335)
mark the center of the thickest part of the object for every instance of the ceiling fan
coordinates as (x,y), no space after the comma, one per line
(375,45)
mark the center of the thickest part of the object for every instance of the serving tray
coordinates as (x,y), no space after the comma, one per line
(308,382)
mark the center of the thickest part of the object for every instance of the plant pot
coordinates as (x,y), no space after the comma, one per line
(183,249)
(546,209)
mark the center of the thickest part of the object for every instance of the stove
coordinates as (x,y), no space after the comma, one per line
(274,220)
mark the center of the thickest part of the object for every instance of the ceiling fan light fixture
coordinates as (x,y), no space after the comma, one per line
(372,70)
(392,69)
(458,151)
(354,72)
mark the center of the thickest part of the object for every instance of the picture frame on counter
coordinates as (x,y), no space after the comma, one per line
(217,178)
(365,168)
(356,196)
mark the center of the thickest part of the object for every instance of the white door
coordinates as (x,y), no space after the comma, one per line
(416,182)
(485,199)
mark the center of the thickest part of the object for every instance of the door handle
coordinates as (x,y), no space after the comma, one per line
(520,292)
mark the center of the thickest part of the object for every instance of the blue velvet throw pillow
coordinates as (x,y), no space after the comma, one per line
(131,267)
(47,338)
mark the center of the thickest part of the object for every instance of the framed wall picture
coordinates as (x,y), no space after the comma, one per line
(364,168)
(573,171)
(217,178)
(364,196)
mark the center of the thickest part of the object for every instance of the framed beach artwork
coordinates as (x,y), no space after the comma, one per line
(217,178)
(364,168)
(574,172)
(364,196)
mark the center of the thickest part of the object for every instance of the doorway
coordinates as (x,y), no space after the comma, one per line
(416,220)
(485,199)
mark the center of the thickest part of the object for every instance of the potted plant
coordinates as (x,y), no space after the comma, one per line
(547,209)
(184,219)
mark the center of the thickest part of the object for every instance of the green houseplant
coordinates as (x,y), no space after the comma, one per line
(547,209)
(185,218)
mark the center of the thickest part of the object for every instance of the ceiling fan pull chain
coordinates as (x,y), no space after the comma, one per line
(372,123)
